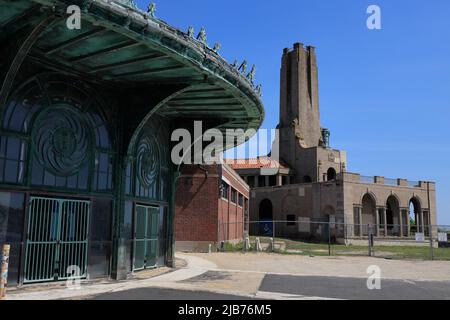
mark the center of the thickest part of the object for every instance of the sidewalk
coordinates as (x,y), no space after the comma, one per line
(195,267)
(242,275)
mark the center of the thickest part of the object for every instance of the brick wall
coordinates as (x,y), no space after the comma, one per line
(196,204)
(231,215)
(199,208)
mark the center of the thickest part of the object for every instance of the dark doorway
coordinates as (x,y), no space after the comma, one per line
(392,210)
(331,174)
(307,179)
(414,215)
(266,218)
(265,210)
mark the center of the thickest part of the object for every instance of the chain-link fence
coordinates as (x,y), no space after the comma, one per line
(316,238)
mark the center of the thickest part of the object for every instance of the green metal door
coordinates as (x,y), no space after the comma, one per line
(57,239)
(146,228)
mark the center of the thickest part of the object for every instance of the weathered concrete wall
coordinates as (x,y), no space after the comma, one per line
(319,201)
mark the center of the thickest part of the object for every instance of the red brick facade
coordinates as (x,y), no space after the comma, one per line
(202,215)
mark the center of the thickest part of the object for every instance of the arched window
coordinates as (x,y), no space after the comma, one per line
(368,211)
(414,214)
(148,171)
(55,134)
(307,179)
(331,174)
(392,215)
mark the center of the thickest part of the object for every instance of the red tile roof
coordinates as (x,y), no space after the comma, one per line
(256,163)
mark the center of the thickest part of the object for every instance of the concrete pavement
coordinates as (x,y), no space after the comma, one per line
(269,276)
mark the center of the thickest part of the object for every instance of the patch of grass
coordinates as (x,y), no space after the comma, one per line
(297,247)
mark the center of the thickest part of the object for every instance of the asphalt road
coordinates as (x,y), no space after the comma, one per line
(304,286)
(355,288)
(165,294)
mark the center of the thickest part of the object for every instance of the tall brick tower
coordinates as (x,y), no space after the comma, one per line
(303,143)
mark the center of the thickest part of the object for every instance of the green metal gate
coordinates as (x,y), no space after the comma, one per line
(57,239)
(146,225)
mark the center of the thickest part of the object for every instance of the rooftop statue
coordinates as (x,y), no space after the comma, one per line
(235,64)
(129,3)
(152,9)
(202,35)
(217,47)
(243,67)
(259,89)
(251,74)
(191,32)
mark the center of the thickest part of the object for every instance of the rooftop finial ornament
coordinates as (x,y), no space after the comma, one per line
(259,89)
(235,64)
(251,74)
(202,35)
(129,3)
(243,67)
(217,47)
(152,9)
(191,32)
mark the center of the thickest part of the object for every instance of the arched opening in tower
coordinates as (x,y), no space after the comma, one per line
(331,174)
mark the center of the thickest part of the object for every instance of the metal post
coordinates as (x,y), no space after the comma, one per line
(370,236)
(273,229)
(431,243)
(4,270)
(360,222)
(329,239)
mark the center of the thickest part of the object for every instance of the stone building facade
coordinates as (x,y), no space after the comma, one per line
(310,182)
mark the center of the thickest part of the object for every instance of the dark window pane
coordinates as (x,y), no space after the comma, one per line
(13,147)
(128,185)
(103,162)
(109,181)
(291,219)
(272,181)
(60,181)
(36,173)
(17,119)
(3,147)
(2,166)
(225,190)
(83,178)
(102,181)
(11,171)
(251,181)
(128,220)
(261,181)
(72,182)
(104,139)
(233,196)
(241,200)
(49,179)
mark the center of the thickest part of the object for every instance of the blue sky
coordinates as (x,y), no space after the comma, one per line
(384,94)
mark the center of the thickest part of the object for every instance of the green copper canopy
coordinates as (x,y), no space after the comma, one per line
(121,45)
